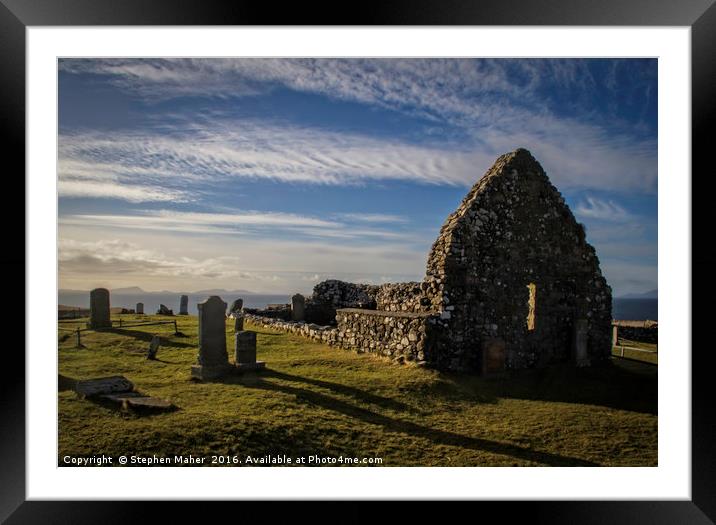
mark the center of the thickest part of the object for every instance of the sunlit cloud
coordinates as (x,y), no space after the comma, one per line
(604,210)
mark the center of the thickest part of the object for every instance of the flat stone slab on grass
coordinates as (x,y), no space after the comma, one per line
(103,385)
(120,390)
(138,401)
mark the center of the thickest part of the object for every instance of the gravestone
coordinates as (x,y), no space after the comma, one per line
(184,305)
(236,306)
(237,311)
(213,361)
(579,341)
(493,356)
(140,308)
(153,347)
(99,309)
(298,307)
(163,310)
(245,351)
(103,385)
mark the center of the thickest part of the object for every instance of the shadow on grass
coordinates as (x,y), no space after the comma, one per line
(147,336)
(613,385)
(356,393)
(390,424)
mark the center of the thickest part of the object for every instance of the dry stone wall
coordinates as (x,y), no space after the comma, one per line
(404,336)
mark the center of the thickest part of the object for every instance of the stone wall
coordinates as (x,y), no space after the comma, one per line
(402,297)
(274,312)
(643,331)
(403,336)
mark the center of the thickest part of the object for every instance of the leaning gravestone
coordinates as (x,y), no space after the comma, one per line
(140,308)
(163,310)
(213,361)
(184,305)
(153,347)
(236,306)
(99,309)
(245,351)
(298,307)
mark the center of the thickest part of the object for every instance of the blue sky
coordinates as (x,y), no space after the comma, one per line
(273,174)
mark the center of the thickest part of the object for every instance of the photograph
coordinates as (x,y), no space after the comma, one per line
(357,261)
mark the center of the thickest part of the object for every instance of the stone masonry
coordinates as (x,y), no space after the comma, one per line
(510,279)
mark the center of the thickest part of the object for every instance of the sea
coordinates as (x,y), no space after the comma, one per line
(635,309)
(623,309)
(153,300)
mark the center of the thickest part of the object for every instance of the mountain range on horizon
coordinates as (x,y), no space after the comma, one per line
(132,290)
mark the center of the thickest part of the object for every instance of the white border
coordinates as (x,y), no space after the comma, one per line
(670,480)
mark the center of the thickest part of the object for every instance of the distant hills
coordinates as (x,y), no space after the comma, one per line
(136,290)
(651,294)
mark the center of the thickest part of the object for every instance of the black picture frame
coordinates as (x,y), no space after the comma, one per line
(699,15)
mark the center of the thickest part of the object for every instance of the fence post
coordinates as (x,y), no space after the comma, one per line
(615,338)
(79,342)
(120,322)
(176,331)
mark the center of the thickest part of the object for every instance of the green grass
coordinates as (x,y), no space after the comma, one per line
(637,351)
(314,399)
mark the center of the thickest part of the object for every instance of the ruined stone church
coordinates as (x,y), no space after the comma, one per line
(514,278)
(511,282)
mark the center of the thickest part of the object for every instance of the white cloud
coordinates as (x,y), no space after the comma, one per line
(200,153)
(235,224)
(374,218)
(497,102)
(603,210)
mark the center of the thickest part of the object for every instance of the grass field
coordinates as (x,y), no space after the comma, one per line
(317,400)
(637,351)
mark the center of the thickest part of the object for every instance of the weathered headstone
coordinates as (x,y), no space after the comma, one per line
(298,307)
(236,306)
(579,341)
(493,356)
(140,308)
(237,311)
(163,310)
(245,351)
(238,322)
(184,305)
(213,361)
(103,385)
(153,347)
(99,309)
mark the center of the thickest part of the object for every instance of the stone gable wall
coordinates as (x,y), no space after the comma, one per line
(513,228)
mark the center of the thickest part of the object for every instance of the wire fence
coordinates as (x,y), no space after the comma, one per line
(78,331)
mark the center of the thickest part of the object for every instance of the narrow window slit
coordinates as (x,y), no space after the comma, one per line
(531,306)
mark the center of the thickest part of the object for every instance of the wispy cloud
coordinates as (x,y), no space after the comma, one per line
(234,224)
(603,210)
(203,153)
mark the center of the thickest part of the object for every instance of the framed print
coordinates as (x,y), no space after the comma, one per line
(420,249)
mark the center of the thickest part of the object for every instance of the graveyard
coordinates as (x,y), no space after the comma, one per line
(503,355)
(315,399)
